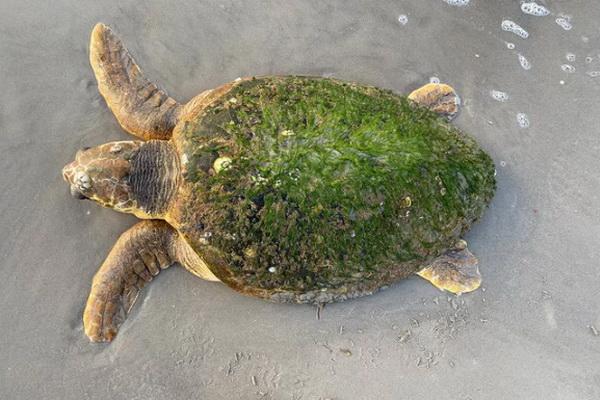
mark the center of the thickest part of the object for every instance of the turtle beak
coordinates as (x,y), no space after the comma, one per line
(68,173)
(68,170)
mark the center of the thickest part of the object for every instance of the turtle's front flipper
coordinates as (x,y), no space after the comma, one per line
(438,97)
(140,106)
(138,256)
(455,271)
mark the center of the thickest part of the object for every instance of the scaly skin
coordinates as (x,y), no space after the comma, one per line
(99,174)
(142,109)
(137,257)
(456,271)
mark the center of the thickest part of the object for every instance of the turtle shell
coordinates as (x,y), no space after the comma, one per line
(313,190)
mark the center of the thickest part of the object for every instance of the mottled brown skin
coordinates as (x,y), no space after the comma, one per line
(438,97)
(142,109)
(143,178)
(456,271)
(137,257)
(105,166)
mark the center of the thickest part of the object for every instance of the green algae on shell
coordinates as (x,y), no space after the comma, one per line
(328,187)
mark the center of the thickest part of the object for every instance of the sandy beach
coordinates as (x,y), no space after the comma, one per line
(532,101)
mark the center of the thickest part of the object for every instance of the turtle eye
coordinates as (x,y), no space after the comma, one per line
(82,150)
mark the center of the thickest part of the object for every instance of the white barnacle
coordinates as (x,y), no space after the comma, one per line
(440,183)
(204,238)
(272,270)
(115,148)
(258,179)
(250,252)
(221,164)
(82,180)
(406,202)
(461,244)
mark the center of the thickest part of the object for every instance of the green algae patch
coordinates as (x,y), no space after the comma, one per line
(327,183)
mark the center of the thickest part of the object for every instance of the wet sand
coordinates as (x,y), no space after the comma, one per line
(531,332)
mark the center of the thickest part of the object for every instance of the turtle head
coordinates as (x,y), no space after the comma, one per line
(128,176)
(102,174)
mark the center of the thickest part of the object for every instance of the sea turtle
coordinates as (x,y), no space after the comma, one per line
(290,188)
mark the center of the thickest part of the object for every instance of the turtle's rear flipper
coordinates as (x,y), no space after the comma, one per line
(455,271)
(140,106)
(438,97)
(139,255)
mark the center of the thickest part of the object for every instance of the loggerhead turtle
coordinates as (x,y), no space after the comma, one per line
(290,188)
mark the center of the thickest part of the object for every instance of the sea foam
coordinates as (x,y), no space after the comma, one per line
(458,3)
(533,8)
(510,26)
(523,120)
